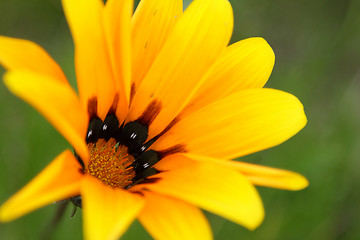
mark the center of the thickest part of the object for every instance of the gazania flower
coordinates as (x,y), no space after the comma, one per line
(163,106)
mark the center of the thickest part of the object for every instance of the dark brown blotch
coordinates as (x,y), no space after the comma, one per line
(151,180)
(92,107)
(179,148)
(150,113)
(132,91)
(168,127)
(114,105)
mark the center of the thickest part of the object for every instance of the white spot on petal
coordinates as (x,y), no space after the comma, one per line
(89,133)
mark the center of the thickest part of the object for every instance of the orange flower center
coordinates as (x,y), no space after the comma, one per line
(111,163)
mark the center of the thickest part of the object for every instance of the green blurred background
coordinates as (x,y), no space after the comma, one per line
(317,59)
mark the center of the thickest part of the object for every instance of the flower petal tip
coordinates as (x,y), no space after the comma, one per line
(261,42)
(298,182)
(10,210)
(256,220)
(5,215)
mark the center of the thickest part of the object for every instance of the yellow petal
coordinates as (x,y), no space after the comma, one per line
(240,124)
(18,54)
(220,190)
(94,75)
(170,218)
(117,16)
(107,211)
(260,175)
(59,180)
(245,64)
(56,101)
(196,40)
(151,25)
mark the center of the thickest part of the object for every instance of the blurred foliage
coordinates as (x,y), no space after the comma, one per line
(317,59)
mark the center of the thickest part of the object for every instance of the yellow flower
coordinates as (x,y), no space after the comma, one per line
(163,106)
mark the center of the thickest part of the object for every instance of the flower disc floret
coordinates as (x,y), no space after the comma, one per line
(110,163)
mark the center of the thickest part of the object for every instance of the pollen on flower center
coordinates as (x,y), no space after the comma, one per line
(111,163)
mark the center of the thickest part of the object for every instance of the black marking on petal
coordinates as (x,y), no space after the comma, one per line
(150,113)
(95,130)
(172,150)
(147,160)
(141,176)
(110,127)
(141,149)
(133,135)
(92,107)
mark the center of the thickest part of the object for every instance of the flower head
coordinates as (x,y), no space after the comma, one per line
(163,106)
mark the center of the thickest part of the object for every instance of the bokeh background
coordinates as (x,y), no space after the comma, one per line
(316,43)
